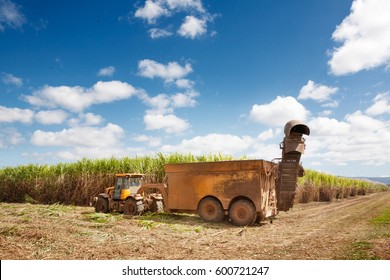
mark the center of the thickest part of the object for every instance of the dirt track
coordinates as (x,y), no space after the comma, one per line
(308,231)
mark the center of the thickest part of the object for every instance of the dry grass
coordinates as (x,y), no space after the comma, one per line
(316,230)
(307,192)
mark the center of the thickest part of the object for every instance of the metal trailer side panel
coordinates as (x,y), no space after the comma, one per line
(218,166)
(189,183)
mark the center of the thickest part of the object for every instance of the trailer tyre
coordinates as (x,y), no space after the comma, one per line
(211,210)
(133,207)
(101,205)
(242,213)
(157,206)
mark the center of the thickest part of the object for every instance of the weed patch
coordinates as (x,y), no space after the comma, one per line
(147,224)
(102,218)
(362,250)
(383,219)
(377,245)
(175,222)
(56,210)
(9,231)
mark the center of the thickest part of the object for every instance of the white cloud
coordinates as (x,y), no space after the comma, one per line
(325,113)
(323,127)
(212,143)
(186,5)
(10,137)
(156,33)
(182,100)
(87,119)
(279,111)
(151,141)
(10,15)
(172,71)
(192,27)
(10,115)
(78,98)
(154,9)
(51,117)
(151,11)
(184,83)
(161,104)
(161,114)
(266,135)
(88,136)
(362,123)
(359,138)
(332,104)
(365,38)
(260,150)
(78,153)
(90,119)
(63,96)
(107,71)
(230,144)
(170,123)
(316,92)
(381,105)
(165,104)
(10,79)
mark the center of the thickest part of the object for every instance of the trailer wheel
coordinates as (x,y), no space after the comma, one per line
(101,205)
(242,213)
(211,210)
(157,206)
(133,207)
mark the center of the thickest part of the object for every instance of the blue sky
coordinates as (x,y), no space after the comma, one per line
(100,78)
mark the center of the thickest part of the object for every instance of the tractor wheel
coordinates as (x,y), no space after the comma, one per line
(242,213)
(101,205)
(157,206)
(211,210)
(133,207)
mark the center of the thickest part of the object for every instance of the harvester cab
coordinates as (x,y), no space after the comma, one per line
(126,185)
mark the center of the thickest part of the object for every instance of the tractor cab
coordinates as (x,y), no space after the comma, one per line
(127,184)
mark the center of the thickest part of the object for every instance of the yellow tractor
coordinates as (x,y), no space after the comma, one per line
(123,197)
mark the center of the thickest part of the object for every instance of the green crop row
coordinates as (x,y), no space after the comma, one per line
(76,183)
(318,186)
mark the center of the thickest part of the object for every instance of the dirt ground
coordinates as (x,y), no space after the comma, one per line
(316,230)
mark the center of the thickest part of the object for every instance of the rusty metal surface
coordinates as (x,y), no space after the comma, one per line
(293,146)
(296,126)
(155,189)
(227,180)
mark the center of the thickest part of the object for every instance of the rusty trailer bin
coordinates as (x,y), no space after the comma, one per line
(244,190)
